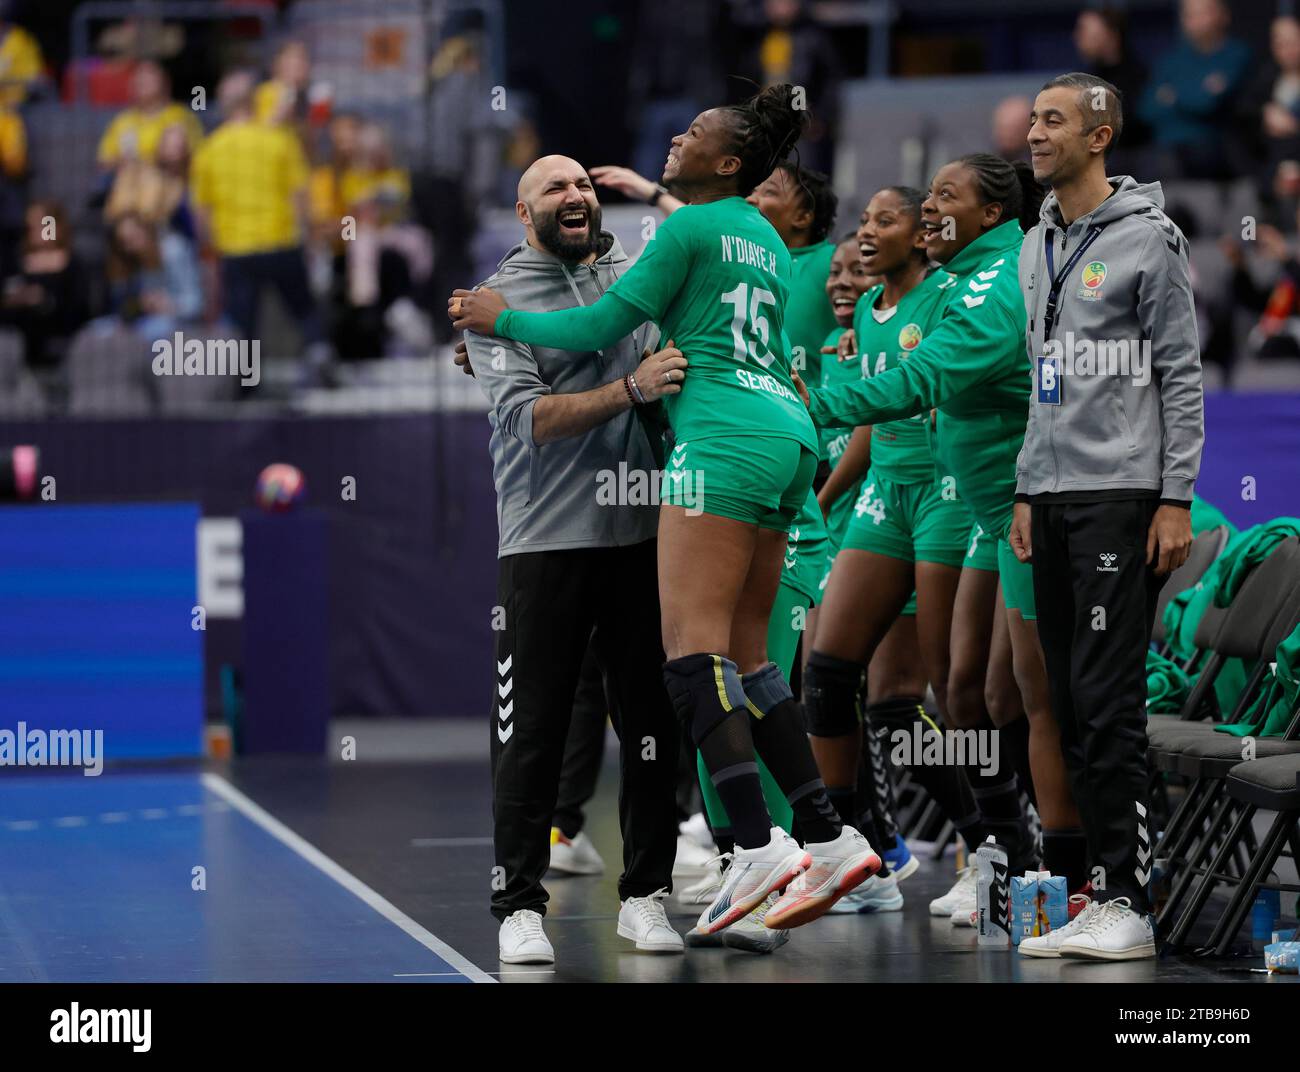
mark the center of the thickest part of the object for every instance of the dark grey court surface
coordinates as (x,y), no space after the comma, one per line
(417,832)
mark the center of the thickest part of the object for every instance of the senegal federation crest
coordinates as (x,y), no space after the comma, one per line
(1094,275)
(910,337)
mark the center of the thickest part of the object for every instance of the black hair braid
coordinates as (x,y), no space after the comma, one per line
(768,126)
(1012,186)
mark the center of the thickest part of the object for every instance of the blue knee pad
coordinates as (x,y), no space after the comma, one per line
(830,695)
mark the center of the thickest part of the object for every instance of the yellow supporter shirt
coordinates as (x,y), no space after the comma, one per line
(135,133)
(13,144)
(247,177)
(20,63)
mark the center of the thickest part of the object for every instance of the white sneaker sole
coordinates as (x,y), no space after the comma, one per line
(526,958)
(575,870)
(962,919)
(754,943)
(851,874)
(778,878)
(845,907)
(909,869)
(1041,954)
(1146,951)
(664,946)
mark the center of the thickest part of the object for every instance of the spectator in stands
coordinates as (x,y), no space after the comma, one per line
(248,188)
(375,277)
(13,188)
(1101,39)
(283,97)
(673,76)
(1190,100)
(153,277)
(155,191)
(1011,128)
(45,298)
(21,65)
(1268,118)
(1277,332)
(796,49)
(135,133)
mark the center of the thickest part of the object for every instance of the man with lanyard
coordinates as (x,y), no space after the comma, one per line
(1105,479)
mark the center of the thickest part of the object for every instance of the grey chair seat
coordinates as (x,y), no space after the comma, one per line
(1272,783)
(1208,758)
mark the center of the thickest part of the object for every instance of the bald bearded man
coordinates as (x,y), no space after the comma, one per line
(575,467)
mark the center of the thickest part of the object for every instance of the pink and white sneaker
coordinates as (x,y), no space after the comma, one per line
(837,867)
(752,875)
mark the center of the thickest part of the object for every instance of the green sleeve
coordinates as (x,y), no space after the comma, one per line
(584,327)
(962,352)
(642,293)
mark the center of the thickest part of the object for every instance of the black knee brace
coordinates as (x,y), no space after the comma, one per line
(705,690)
(830,695)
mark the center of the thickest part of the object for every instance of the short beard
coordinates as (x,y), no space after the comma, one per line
(569,249)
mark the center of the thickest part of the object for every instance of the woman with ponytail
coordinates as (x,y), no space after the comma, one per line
(973,370)
(715,278)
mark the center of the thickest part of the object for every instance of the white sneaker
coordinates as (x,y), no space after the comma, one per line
(697,829)
(704,889)
(875,895)
(752,934)
(574,856)
(521,939)
(837,867)
(753,874)
(692,859)
(1049,944)
(644,921)
(1113,932)
(961,895)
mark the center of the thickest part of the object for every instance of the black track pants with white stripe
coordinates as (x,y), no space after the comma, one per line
(1096,600)
(551,602)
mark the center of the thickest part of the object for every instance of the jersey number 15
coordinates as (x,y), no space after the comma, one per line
(749,328)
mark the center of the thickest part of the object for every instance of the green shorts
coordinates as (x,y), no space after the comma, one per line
(982,551)
(807,550)
(760,480)
(908,609)
(841,513)
(1017,582)
(912,522)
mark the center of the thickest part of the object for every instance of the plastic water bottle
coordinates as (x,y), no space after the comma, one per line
(991,895)
(1263,917)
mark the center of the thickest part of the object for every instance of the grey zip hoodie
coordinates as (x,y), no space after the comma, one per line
(590,490)
(1129,411)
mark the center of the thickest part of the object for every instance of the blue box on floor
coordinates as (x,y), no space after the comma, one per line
(286,633)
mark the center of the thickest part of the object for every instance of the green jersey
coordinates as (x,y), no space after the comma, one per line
(716,279)
(900,450)
(808,312)
(973,367)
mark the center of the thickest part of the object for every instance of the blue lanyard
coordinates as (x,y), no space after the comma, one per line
(1054,292)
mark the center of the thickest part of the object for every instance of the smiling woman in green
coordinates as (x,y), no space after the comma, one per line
(972,367)
(716,279)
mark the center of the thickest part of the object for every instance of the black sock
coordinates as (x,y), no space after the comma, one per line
(778,731)
(1065,852)
(1014,743)
(842,797)
(945,785)
(736,780)
(707,694)
(876,776)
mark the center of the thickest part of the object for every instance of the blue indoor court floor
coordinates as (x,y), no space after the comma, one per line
(379,870)
(96,882)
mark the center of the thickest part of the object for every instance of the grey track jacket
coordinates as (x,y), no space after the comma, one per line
(1130,410)
(557,496)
